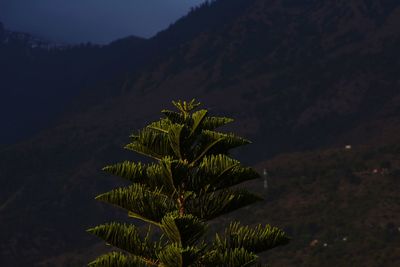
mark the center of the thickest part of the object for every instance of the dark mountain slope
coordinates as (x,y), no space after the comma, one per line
(299,76)
(346,199)
(39,79)
(42,82)
(306,74)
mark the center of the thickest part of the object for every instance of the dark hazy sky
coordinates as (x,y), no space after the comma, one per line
(98,21)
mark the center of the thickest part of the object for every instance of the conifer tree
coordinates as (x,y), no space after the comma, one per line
(189,183)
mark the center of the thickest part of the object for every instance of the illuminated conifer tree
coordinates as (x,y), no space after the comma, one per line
(189,184)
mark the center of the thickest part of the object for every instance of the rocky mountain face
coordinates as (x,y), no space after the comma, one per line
(296,75)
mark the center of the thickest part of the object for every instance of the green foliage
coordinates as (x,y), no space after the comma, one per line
(127,238)
(187,186)
(141,202)
(184,230)
(256,239)
(232,257)
(117,259)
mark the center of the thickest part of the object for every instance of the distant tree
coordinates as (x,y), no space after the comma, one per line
(189,185)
